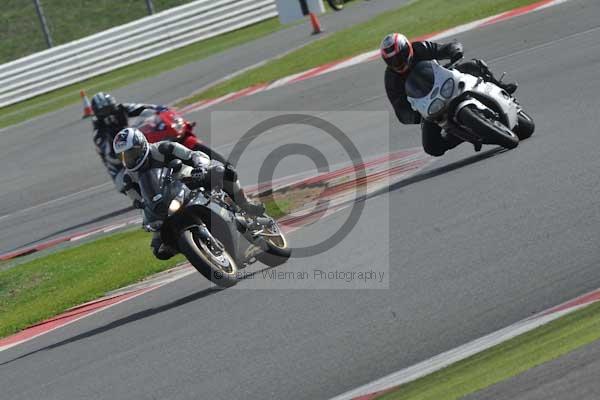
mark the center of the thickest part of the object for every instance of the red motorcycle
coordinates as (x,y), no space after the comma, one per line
(167,124)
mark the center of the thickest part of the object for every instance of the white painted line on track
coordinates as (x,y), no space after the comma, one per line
(57,200)
(546,44)
(467,350)
(16,343)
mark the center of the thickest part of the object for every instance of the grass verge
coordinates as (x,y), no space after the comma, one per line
(123,76)
(284,201)
(47,286)
(505,360)
(414,19)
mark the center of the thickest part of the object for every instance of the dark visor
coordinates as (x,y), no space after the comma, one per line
(132,157)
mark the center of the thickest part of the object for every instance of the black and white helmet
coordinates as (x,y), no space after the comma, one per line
(132,147)
(103,105)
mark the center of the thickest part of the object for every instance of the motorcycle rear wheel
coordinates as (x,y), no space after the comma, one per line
(218,267)
(337,5)
(492,131)
(276,249)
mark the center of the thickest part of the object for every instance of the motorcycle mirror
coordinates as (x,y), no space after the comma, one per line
(175,165)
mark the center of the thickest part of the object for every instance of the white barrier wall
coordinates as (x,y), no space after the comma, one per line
(126,44)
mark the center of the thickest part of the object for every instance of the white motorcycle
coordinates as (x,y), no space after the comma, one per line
(466,106)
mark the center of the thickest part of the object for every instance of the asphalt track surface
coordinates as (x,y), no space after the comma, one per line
(53,181)
(476,242)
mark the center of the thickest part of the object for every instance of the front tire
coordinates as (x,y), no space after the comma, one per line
(216,266)
(491,130)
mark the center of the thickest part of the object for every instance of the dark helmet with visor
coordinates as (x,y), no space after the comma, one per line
(103,105)
(397,52)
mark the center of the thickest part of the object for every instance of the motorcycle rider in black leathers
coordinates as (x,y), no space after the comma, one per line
(111,117)
(138,156)
(400,55)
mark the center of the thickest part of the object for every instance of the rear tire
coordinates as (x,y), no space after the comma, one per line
(275,249)
(492,131)
(221,269)
(525,126)
(337,5)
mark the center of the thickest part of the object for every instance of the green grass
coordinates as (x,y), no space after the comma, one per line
(417,18)
(67,20)
(505,360)
(47,286)
(69,95)
(278,208)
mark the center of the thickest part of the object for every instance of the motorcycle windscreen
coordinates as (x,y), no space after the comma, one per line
(148,117)
(421,80)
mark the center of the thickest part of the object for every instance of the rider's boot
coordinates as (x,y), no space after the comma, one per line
(161,250)
(510,88)
(240,198)
(164,252)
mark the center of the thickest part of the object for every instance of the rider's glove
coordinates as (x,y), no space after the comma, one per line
(455,51)
(161,108)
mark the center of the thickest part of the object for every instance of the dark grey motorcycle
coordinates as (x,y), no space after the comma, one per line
(206,226)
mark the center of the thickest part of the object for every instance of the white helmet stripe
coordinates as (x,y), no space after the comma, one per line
(123,140)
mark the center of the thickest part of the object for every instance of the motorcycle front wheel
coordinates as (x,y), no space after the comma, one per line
(337,5)
(525,127)
(209,257)
(491,130)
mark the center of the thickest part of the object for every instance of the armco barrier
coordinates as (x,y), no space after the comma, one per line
(126,44)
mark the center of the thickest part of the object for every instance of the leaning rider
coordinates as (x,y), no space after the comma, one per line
(109,118)
(401,55)
(138,156)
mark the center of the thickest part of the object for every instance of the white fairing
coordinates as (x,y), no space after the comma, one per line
(469,84)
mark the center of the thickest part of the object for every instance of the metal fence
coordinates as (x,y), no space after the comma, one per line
(126,44)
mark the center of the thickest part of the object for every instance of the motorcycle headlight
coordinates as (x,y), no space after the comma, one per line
(448,88)
(435,107)
(174,206)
